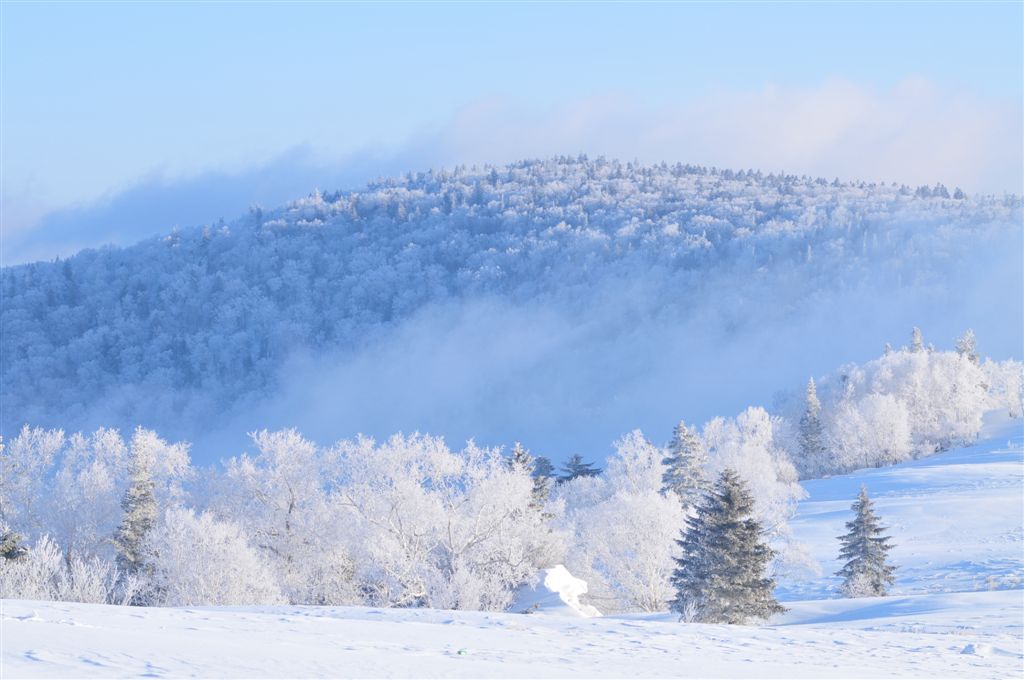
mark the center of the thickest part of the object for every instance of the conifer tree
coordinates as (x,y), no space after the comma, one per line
(521,459)
(11,546)
(576,467)
(916,340)
(139,507)
(684,465)
(812,433)
(720,575)
(866,572)
(966,346)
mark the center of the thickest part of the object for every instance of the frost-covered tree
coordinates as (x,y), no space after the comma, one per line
(916,340)
(685,465)
(521,460)
(621,528)
(12,545)
(281,496)
(813,449)
(577,467)
(432,527)
(140,510)
(749,445)
(867,572)
(720,575)
(967,346)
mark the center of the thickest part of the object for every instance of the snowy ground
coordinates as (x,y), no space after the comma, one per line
(956,611)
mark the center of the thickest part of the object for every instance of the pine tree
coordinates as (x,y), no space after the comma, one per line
(866,572)
(139,507)
(521,459)
(684,466)
(966,346)
(812,433)
(575,467)
(720,575)
(916,340)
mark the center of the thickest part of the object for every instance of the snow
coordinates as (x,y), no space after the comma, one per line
(956,611)
(557,592)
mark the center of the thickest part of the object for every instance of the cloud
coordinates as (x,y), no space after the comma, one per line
(913,133)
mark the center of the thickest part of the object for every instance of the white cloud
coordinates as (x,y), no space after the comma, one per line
(913,133)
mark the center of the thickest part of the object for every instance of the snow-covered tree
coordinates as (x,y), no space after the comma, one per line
(521,460)
(433,527)
(748,444)
(281,496)
(685,465)
(621,528)
(720,575)
(967,346)
(813,450)
(867,572)
(140,509)
(12,545)
(916,340)
(577,467)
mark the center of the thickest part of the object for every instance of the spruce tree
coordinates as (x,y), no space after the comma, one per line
(11,546)
(575,467)
(720,575)
(812,433)
(139,507)
(866,572)
(521,459)
(684,466)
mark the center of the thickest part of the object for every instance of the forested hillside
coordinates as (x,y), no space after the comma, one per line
(187,326)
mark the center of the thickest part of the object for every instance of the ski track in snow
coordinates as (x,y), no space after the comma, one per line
(956,610)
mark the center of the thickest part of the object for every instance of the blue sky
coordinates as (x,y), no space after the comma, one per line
(202,109)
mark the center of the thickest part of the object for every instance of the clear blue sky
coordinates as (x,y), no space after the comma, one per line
(98,97)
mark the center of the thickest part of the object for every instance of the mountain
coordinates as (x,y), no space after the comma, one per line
(564,301)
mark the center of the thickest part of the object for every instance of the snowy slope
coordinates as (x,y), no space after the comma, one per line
(956,518)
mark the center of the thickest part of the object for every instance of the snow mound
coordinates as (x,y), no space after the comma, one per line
(557,592)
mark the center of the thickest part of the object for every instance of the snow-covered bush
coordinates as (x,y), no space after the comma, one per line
(42,573)
(197,560)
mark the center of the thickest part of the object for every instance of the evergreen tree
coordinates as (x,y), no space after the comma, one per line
(11,546)
(866,572)
(521,459)
(720,575)
(812,433)
(916,340)
(966,346)
(684,465)
(575,467)
(139,507)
